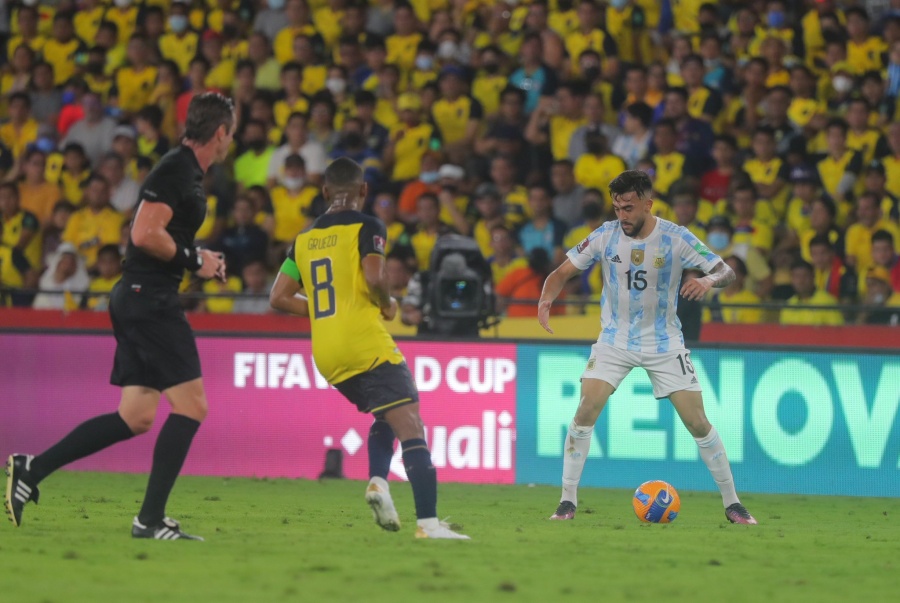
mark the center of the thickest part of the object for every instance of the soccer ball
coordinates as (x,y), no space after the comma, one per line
(656,502)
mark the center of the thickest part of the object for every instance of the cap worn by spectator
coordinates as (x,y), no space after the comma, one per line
(720,222)
(409,102)
(876,167)
(453,70)
(803,174)
(487,190)
(879,273)
(843,67)
(126,131)
(452,172)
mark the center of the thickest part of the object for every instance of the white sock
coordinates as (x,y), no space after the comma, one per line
(578,442)
(429,523)
(712,451)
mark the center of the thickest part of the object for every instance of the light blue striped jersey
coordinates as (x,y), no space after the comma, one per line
(641,280)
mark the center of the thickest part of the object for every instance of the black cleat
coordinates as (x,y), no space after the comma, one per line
(20,488)
(167,529)
(736,513)
(565,510)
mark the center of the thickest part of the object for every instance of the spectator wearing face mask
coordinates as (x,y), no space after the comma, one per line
(180,44)
(719,239)
(292,201)
(352,144)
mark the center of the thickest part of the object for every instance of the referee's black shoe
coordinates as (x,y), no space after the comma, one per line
(20,488)
(167,529)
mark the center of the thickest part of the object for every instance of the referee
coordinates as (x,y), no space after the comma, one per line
(155,347)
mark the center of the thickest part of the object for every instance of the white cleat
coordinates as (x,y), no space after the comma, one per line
(432,528)
(378,495)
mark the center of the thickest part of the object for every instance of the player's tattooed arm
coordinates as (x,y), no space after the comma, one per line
(721,276)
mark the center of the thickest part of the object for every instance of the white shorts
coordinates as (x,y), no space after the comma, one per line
(669,372)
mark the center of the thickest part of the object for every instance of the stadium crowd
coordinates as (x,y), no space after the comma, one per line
(769,128)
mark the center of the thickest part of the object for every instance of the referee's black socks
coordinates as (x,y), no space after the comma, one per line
(91,436)
(422,477)
(171,449)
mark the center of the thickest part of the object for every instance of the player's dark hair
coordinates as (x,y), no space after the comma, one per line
(631,181)
(343,172)
(883,235)
(206,113)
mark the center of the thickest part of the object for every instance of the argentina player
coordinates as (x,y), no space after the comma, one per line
(642,259)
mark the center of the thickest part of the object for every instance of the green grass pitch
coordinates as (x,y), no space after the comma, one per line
(285,540)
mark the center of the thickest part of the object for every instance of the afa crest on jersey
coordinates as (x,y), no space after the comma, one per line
(659,261)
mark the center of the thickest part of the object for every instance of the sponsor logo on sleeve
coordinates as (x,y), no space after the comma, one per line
(583,245)
(702,249)
(378,243)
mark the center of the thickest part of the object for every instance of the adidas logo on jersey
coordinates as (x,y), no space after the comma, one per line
(693,380)
(615,259)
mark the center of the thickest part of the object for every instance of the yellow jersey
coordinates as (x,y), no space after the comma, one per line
(134,87)
(348,335)
(291,211)
(181,49)
(17,139)
(452,117)
(561,131)
(597,172)
(669,170)
(11,233)
(408,150)
(743,316)
(101,285)
(89,231)
(791,316)
(62,58)
(401,50)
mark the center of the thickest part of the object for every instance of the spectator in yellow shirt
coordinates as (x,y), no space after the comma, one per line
(60,50)
(859,235)
(96,224)
(864,51)
(180,44)
(878,284)
(456,114)
(598,166)
(410,141)
(36,194)
(221,70)
(504,256)
(403,44)
(21,129)
(749,228)
(109,268)
(296,13)
(135,83)
(718,309)
(806,294)
(28,31)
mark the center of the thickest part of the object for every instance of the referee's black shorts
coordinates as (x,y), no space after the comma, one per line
(381,389)
(155,346)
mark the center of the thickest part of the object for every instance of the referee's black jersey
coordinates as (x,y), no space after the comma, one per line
(177,181)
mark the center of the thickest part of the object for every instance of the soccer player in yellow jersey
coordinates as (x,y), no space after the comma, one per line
(339,261)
